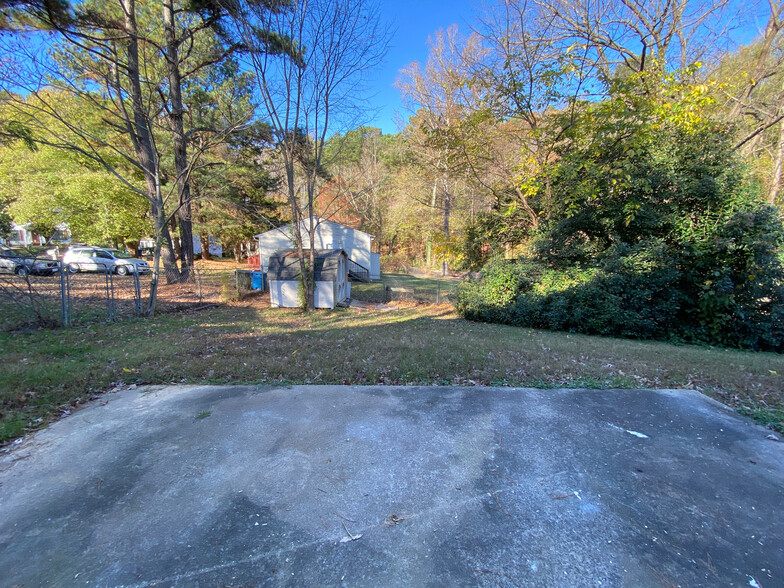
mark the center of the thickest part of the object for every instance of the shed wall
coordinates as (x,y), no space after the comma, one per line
(324,295)
(329,235)
(375,266)
(284,294)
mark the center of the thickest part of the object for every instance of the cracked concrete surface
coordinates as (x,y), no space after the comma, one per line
(244,485)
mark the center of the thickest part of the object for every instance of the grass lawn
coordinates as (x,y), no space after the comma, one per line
(48,372)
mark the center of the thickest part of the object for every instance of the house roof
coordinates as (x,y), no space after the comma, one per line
(319,221)
(284,265)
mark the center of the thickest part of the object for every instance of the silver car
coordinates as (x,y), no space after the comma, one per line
(98,259)
(23,262)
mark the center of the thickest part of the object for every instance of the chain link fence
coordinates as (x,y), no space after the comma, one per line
(75,298)
(405,288)
(29,301)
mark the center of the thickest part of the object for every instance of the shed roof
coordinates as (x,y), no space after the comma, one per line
(285,229)
(284,265)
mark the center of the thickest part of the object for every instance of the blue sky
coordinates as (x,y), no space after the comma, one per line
(412,21)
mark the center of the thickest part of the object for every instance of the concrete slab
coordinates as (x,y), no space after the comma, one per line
(245,486)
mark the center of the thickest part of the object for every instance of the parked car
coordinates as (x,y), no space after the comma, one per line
(22,262)
(98,259)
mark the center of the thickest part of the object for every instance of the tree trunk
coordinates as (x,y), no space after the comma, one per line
(778,163)
(381,220)
(177,127)
(176,242)
(133,247)
(311,286)
(205,247)
(141,137)
(447,211)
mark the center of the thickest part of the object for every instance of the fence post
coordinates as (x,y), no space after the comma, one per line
(137,292)
(438,292)
(198,282)
(64,295)
(109,295)
(69,296)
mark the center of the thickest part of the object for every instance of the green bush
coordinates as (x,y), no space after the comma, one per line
(622,303)
(738,281)
(490,298)
(725,290)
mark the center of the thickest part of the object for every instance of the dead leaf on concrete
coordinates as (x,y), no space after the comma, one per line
(394,519)
(350,536)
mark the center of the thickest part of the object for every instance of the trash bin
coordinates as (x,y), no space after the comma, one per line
(258,281)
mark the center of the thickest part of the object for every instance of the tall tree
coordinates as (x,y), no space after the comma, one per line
(112,57)
(194,44)
(313,91)
(236,192)
(477,126)
(752,91)
(446,99)
(360,164)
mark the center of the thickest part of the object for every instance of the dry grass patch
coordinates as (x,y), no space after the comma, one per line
(48,372)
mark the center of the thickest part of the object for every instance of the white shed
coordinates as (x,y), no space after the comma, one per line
(330,272)
(329,235)
(216,248)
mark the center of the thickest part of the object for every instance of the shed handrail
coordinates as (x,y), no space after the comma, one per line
(358,270)
(360,267)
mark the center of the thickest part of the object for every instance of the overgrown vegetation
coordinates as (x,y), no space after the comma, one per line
(654,231)
(46,374)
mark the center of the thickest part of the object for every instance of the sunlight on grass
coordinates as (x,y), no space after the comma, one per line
(48,372)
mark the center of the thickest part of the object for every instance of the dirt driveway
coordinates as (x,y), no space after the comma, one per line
(386,486)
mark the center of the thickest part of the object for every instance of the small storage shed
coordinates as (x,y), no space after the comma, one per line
(330,272)
(328,235)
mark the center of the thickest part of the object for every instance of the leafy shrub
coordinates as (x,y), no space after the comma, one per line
(593,301)
(654,230)
(738,281)
(726,289)
(490,297)
(229,291)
